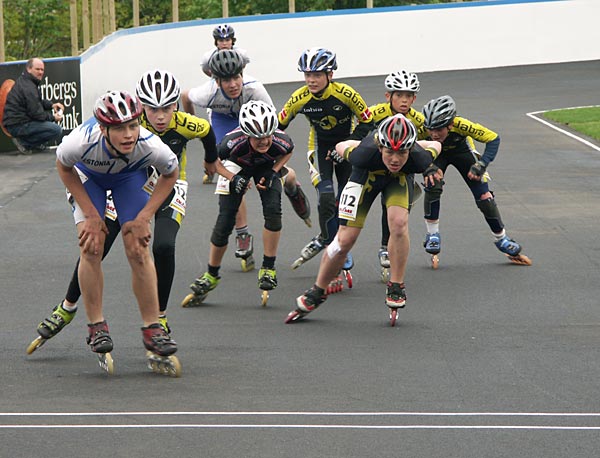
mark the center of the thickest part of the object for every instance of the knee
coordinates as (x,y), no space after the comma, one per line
(137,254)
(163,248)
(398,223)
(273,222)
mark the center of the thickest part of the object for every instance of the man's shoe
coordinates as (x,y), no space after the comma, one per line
(22,149)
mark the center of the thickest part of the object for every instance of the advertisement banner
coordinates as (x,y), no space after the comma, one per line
(61,83)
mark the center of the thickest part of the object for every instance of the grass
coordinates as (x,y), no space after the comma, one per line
(583,120)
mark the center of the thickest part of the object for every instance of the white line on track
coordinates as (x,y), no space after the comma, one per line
(310,426)
(449,426)
(533,115)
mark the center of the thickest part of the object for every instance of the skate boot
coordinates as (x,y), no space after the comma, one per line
(300,204)
(312,249)
(201,287)
(513,251)
(348,265)
(433,245)
(384,262)
(244,249)
(306,303)
(160,351)
(164,323)
(101,343)
(51,326)
(395,298)
(267,280)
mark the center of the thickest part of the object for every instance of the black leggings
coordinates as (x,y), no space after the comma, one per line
(228,207)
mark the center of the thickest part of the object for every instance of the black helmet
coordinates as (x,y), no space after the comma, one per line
(439,112)
(226,63)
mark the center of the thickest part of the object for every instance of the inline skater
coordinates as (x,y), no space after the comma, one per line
(330,108)
(224,38)
(224,95)
(457,135)
(256,150)
(401,90)
(113,152)
(159,93)
(383,162)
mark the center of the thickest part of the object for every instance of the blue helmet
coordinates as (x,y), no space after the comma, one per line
(223,31)
(317,60)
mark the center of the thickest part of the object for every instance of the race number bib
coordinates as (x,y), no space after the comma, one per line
(315,176)
(151,182)
(180,197)
(348,206)
(223,183)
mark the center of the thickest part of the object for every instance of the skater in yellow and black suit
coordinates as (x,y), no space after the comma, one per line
(331,109)
(457,136)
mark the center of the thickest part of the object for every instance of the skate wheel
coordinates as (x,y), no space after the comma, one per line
(385,275)
(192,300)
(393,316)
(35,344)
(106,362)
(348,276)
(264,298)
(293,316)
(435,261)
(520,260)
(297,263)
(207,179)
(308,222)
(247,264)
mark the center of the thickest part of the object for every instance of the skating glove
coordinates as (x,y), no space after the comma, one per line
(478,169)
(270,177)
(335,156)
(238,184)
(430,176)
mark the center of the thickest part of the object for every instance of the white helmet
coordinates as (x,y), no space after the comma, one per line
(317,60)
(402,81)
(158,88)
(258,119)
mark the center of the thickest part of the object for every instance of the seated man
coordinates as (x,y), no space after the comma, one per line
(30,120)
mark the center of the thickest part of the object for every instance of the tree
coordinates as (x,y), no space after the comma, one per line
(36,28)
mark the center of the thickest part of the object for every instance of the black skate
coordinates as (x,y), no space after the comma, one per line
(395,298)
(305,304)
(300,204)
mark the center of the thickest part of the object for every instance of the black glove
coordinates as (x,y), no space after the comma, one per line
(335,156)
(478,169)
(431,171)
(270,177)
(238,184)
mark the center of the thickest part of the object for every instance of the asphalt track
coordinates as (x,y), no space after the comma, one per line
(488,359)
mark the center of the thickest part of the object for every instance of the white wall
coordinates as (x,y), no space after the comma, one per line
(451,36)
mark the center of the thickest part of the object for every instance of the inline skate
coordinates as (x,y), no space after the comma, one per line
(513,251)
(160,349)
(267,281)
(310,300)
(244,250)
(101,343)
(313,248)
(51,326)
(395,298)
(433,245)
(300,204)
(384,262)
(201,287)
